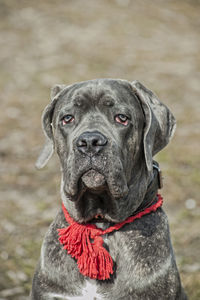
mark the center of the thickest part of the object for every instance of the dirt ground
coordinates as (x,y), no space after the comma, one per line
(48,42)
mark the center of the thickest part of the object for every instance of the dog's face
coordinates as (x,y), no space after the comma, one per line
(105,133)
(98,134)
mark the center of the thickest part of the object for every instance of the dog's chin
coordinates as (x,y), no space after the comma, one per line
(94,181)
(89,181)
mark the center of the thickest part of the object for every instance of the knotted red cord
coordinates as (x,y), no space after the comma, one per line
(84,242)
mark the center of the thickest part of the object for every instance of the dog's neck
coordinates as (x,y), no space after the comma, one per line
(150,196)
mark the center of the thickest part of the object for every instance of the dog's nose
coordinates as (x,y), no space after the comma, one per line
(91,143)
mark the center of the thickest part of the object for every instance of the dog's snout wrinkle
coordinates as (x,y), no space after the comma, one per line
(91,143)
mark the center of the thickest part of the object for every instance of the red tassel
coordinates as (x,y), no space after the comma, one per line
(97,262)
(104,260)
(93,259)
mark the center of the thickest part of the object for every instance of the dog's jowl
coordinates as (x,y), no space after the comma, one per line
(110,239)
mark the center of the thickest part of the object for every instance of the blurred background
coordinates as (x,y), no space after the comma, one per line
(48,42)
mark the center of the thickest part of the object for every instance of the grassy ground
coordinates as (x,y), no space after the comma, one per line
(48,42)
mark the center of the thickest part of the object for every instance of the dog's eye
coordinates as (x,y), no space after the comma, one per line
(67,119)
(122,119)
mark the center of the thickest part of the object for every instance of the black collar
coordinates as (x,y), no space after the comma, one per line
(152,190)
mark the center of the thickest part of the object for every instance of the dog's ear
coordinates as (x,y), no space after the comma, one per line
(160,124)
(47,115)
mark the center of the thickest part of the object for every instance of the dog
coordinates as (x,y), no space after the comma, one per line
(106,132)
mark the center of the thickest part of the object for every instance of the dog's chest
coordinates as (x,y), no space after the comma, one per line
(136,266)
(89,292)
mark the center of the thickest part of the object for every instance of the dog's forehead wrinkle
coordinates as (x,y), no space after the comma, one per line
(95,91)
(99,97)
(95,88)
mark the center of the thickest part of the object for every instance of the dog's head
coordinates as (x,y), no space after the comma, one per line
(105,132)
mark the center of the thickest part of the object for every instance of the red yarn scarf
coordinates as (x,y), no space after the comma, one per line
(84,242)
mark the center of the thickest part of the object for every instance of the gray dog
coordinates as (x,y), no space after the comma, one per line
(106,133)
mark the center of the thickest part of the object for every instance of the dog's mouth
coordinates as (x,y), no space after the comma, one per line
(95,201)
(95,195)
(99,218)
